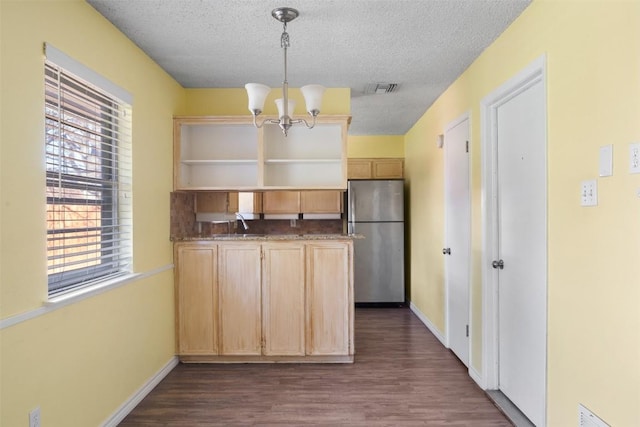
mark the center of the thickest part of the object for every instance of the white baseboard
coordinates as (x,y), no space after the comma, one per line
(477,377)
(140,394)
(428,323)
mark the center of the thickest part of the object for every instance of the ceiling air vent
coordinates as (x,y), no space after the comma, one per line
(380,88)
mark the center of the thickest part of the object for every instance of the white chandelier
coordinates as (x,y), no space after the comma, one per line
(258,92)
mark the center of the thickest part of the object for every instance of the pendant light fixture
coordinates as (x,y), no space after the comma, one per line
(258,92)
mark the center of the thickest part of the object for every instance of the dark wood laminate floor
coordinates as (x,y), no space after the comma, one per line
(402,376)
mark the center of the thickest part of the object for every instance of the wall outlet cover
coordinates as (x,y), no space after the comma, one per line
(34,417)
(589,193)
(586,418)
(634,157)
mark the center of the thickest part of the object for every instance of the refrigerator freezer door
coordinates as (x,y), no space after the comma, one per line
(376,200)
(379,263)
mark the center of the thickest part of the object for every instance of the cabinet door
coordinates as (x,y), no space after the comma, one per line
(281,202)
(283,299)
(329,286)
(234,205)
(359,168)
(239,312)
(321,201)
(213,202)
(388,169)
(197,299)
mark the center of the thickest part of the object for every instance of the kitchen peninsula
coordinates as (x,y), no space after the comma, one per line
(285,294)
(264,298)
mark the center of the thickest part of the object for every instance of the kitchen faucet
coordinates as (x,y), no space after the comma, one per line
(241,218)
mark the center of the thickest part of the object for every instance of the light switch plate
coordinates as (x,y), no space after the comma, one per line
(634,157)
(606,160)
(589,193)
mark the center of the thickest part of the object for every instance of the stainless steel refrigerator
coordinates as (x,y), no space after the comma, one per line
(375,209)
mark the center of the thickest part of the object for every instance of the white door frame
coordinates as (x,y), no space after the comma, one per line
(533,74)
(451,125)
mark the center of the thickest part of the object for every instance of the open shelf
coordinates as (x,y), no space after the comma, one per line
(230,153)
(219,162)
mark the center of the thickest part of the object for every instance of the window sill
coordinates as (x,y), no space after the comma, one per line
(91,290)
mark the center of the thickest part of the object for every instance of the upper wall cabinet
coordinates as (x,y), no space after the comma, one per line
(392,168)
(229,153)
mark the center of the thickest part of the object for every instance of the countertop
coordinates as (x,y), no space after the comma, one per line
(267,237)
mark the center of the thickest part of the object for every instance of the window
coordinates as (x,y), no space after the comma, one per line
(88,181)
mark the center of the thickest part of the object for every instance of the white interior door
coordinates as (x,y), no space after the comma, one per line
(522,249)
(457,236)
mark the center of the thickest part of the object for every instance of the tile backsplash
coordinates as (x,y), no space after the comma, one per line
(183,218)
(183,222)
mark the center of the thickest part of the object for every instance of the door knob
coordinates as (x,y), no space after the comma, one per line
(446,251)
(498,264)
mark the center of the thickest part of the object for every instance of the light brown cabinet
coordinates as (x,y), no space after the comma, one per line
(387,168)
(265,301)
(214,202)
(294,202)
(360,168)
(269,202)
(281,202)
(228,202)
(240,305)
(329,302)
(321,202)
(197,299)
(283,318)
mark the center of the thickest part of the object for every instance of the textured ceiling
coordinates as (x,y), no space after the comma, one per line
(422,45)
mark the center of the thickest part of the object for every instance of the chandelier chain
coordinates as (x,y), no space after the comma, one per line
(284,39)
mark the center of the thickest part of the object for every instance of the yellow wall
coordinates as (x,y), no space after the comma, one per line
(375,146)
(593,83)
(233,101)
(81,362)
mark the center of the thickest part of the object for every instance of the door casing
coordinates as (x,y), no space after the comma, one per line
(533,74)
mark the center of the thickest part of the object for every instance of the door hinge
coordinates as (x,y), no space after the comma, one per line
(467,331)
(466,146)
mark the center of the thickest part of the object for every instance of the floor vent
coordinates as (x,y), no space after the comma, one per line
(586,418)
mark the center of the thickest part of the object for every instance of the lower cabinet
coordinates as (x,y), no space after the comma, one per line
(265,301)
(197,289)
(239,309)
(328,301)
(283,296)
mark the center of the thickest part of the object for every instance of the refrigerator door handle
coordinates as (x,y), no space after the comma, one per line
(352,211)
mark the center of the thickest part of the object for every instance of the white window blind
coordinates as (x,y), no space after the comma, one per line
(88,169)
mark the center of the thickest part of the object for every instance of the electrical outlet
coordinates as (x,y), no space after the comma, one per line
(634,157)
(34,417)
(589,193)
